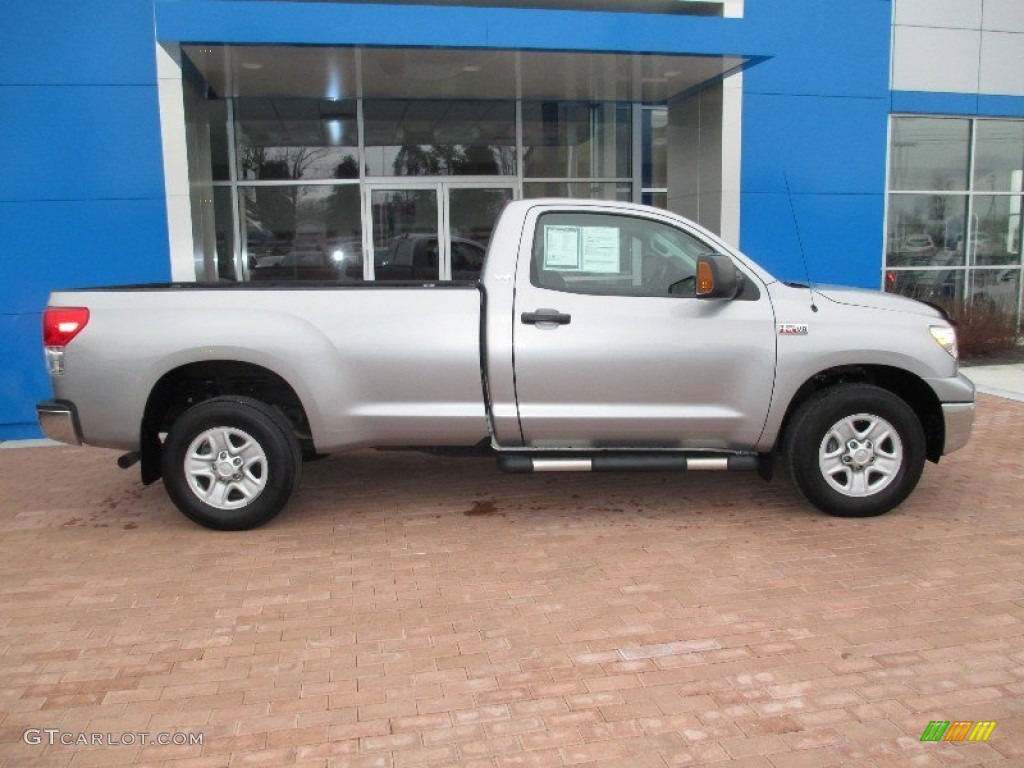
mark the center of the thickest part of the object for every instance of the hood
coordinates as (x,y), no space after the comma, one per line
(861,297)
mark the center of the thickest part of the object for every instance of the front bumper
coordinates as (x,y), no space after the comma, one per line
(959,419)
(59,421)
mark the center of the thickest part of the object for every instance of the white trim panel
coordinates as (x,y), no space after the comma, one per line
(1003,16)
(930,59)
(175,154)
(1002,62)
(732,153)
(954,14)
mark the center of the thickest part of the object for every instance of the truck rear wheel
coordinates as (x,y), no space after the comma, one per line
(231,463)
(855,450)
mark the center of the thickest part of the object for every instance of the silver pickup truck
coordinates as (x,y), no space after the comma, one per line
(601,336)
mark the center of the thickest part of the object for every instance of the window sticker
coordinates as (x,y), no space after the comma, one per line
(561,247)
(600,249)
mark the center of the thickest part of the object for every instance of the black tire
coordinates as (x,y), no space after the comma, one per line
(274,471)
(829,480)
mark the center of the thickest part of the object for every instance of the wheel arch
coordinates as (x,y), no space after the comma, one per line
(189,384)
(910,388)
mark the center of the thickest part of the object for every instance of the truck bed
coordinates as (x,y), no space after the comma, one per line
(373,363)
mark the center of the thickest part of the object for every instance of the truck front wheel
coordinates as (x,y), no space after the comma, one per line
(231,463)
(855,450)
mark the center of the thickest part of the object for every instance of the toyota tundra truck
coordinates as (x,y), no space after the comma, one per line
(600,336)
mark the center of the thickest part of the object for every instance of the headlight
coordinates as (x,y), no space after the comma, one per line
(946,337)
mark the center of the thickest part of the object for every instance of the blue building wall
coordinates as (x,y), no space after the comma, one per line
(81,192)
(82,200)
(966,104)
(815,120)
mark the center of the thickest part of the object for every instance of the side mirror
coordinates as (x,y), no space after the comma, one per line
(717,277)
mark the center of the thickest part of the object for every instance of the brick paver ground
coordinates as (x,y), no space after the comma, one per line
(410,610)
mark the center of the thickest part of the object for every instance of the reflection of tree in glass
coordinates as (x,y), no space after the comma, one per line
(479,162)
(937,205)
(278,163)
(343,214)
(274,209)
(454,160)
(428,160)
(347,168)
(942,182)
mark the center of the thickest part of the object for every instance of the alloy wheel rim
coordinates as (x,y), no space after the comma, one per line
(860,455)
(226,468)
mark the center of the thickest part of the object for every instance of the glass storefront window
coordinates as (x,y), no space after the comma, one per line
(440,138)
(304,173)
(407,222)
(926,230)
(296,139)
(995,237)
(999,156)
(998,287)
(563,139)
(472,215)
(405,237)
(929,153)
(655,144)
(969,240)
(938,286)
(302,232)
(217,114)
(224,234)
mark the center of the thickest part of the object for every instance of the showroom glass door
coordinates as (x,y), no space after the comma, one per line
(437,230)
(472,211)
(405,224)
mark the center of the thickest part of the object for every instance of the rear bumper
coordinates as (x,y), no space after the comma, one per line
(959,420)
(59,421)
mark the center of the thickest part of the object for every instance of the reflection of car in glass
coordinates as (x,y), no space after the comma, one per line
(347,250)
(262,262)
(917,243)
(467,259)
(934,285)
(913,249)
(311,258)
(999,288)
(415,257)
(996,287)
(983,247)
(347,256)
(309,265)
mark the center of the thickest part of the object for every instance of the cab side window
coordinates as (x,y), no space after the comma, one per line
(614,255)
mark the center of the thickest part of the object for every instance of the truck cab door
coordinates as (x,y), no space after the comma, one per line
(614,350)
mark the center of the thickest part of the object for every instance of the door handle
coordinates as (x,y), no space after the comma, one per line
(544,316)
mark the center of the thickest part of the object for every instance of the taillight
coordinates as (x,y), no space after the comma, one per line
(62,324)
